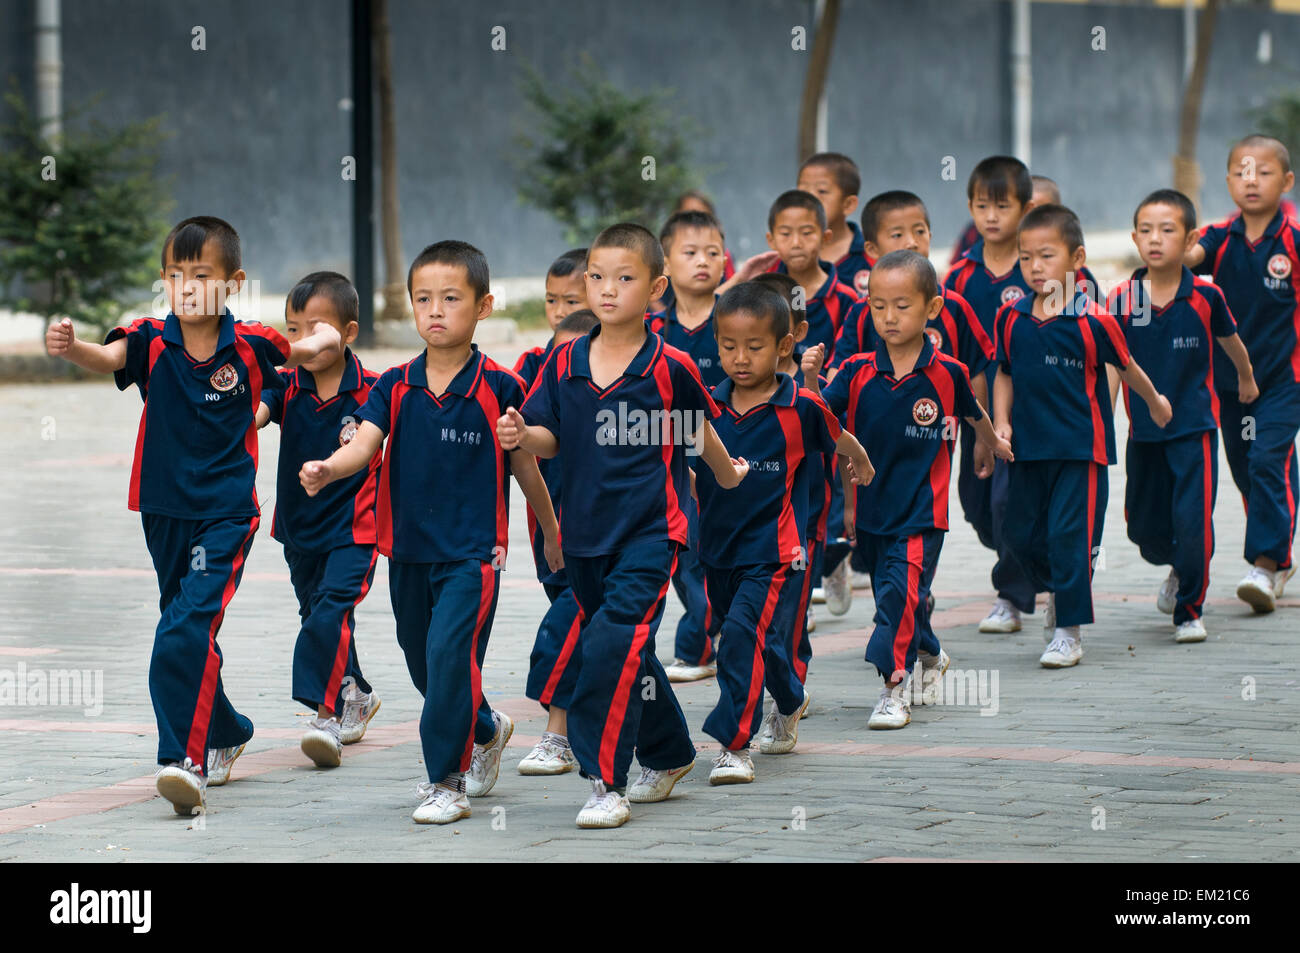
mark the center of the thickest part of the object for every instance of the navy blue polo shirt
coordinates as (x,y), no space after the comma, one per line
(765,519)
(1261,287)
(343,513)
(444,486)
(854,269)
(700,343)
(825,310)
(1174,345)
(196,449)
(905,427)
(1060,407)
(622,450)
(955,331)
(531,361)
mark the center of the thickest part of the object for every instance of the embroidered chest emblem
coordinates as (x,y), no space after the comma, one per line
(935,338)
(1279,266)
(925,411)
(225,378)
(1011,293)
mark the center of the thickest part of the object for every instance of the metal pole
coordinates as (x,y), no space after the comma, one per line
(49,71)
(363,195)
(1022,81)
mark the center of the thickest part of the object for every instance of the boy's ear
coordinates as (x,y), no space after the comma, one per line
(484,306)
(850,205)
(785,346)
(1079,257)
(827,236)
(658,287)
(800,331)
(769,242)
(1288,181)
(350,332)
(1189,240)
(933,307)
(872,249)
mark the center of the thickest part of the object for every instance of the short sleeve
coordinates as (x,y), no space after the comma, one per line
(270,346)
(974,349)
(1222,323)
(1215,235)
(273,397)
(541,408)
(378,403)
(689,392)
(1111,346)
(836,394)
(139,335)
(511,391)
(820,428)
(1001,325)
(963,397)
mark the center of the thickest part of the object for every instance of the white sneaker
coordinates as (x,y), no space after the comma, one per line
(1049,617)
(1193,630)
(322,742)
(892,710)
(680,671)
(811,624)
(818,596)
(1280,578)
(1065,649)
(358,708)
(732,767)
(1167,597)
(779,732)
(858,580)
(220,761)
(486,763)
(548,757)
(655,785)
(604,808)
(839,593)
(440,805)
(184,785)
(1004,617)
(932,669)
(1256,590)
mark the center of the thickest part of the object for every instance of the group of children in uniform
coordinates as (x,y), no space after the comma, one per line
(745,440)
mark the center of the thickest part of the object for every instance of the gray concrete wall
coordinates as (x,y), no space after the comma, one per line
(258,131)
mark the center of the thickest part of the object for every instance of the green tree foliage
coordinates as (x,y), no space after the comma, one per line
(81,222)
(1280,118)
(600,156)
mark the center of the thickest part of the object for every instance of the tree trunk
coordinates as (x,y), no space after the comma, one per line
(1187,173)
(395,303)
(815,79)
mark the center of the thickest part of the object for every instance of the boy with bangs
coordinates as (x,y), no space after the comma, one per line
(200,374)
(754,537)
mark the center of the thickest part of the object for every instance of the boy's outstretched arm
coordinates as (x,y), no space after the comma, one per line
(860,469)
(1157,403)
(315,475)
(514,434)
(524,466)
(748,269)
(62,341)
(263,416)
(726,471)
(1247,388)
(324,337)
(1195,256)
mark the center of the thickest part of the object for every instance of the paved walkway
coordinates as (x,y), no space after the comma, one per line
(1146,751)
